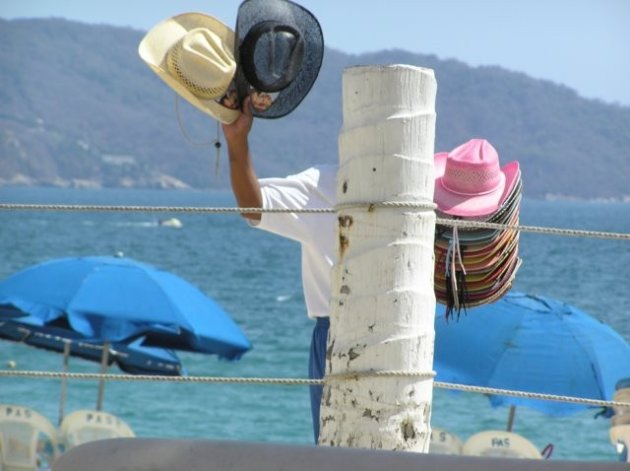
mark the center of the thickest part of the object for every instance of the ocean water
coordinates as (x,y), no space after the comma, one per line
(255,276)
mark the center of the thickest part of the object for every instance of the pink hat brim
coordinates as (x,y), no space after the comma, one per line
(486,204)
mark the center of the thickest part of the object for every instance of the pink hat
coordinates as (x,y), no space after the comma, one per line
(469,181)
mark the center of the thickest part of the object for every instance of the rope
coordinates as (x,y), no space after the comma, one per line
(158,378)
(388,204)
(529,395)
(150,209)
(308,382)
(533,229)
(391,373)
(421,206)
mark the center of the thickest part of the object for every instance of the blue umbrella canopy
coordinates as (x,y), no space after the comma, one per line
(119,299)
(534,344)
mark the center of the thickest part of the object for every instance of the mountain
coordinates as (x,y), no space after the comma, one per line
(78,107)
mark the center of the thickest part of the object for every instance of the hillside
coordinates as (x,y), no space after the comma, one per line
(78,107)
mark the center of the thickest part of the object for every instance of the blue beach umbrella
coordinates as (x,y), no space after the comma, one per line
(114,309)
(117,299)
(535,344)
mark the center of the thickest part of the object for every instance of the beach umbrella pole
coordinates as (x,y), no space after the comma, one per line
(64,380)
(510,423)
(101,383)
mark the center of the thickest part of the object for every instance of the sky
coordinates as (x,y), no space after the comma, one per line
(583,44)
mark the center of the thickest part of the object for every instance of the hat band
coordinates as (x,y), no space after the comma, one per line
(465,193)
(282,49)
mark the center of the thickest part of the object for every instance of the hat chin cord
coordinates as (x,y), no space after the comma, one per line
(216,142)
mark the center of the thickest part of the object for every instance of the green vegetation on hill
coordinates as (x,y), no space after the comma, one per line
(79,107)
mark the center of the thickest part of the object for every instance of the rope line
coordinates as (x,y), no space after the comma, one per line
(157,378)
(533,229)
(529,395)
(418,205)
(307,382)
(216,210)
(149,209)
(358,374)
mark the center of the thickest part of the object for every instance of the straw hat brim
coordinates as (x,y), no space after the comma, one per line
(157,43)
(449,202)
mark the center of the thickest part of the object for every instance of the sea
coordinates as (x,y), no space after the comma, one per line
(255,277)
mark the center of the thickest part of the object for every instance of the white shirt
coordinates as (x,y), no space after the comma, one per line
(316,232)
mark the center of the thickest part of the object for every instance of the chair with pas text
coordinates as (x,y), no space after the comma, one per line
(444,442)
(28,440)
(499,443)
(85,425)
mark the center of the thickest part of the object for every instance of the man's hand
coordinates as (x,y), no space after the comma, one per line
(236,133)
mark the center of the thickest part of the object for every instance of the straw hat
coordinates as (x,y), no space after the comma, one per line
(194,54)
(280,52)
(469,181)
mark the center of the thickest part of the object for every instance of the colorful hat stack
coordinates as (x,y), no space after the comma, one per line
(475,266)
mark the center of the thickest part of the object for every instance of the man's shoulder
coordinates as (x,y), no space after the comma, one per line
(318,173)
(318,178)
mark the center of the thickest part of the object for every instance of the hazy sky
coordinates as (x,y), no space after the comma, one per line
(584,44)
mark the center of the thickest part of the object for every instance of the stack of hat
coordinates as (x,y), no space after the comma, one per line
(475,266)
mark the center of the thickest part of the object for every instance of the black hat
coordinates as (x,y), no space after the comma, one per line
(279,50)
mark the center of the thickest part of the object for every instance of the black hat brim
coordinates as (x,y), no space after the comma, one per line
(253,12)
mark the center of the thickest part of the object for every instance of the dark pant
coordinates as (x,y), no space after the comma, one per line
(317,368)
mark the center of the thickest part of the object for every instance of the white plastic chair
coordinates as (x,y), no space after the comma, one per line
(620,438)
(85,425)
(499,443)
(620,425)
(444,442)
(28,441)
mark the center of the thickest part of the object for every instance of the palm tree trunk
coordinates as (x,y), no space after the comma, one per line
(377,393)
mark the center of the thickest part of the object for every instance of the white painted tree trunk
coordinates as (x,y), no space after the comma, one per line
(383,303)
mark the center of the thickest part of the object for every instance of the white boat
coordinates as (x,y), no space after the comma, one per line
(171,222)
